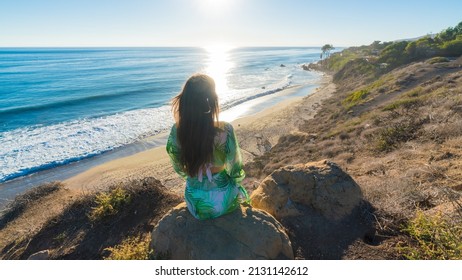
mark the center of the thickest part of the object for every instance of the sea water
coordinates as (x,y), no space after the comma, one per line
(59,105)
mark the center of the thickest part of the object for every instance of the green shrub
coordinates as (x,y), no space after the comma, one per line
(432,238)
(357,95)
(452,48)
(355,98)
(415,92)
(406,103)
(394,54)
(390,137)
(338,60)
(355,69)
(437,59)
(109,203)
(131,249)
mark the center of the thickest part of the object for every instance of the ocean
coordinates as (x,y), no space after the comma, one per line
(61,105)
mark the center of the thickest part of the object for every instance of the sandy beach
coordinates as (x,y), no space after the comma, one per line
(256,133)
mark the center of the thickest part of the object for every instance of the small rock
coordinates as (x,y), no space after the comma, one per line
(41,255)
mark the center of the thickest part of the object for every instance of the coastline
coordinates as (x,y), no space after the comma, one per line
(260,121)
(256,133)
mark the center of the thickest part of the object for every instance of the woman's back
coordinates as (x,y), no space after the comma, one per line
(226,153)
(205,151)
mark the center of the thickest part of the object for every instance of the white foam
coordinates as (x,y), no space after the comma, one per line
(236,97)
(31,148)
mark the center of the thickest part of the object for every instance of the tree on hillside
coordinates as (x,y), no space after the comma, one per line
(446,35)
(395,54)
(458,29)
(375,45)
(326,50)
(449,34)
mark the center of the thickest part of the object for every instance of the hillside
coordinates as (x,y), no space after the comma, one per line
(398,133)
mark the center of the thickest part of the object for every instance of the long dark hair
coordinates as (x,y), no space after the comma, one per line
(196,111)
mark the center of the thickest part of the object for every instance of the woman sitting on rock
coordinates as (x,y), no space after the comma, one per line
(205,151)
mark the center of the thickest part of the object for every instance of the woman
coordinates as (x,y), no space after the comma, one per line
(205,151)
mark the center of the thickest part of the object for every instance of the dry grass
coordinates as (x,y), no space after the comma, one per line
(93,222)
(401,142)
(22,202)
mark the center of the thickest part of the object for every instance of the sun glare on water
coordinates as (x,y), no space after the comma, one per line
(218,66)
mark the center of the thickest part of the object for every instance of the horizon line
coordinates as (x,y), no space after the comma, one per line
(160,46)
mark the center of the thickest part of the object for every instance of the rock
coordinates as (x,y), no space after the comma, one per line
(322,186)
(321,207)
(247,233)
(41,255)
(282,65)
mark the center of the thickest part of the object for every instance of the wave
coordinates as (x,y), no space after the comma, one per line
(81,101)
(27,150)
(284,84)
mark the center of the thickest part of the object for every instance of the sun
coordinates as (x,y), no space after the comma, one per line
(215,6)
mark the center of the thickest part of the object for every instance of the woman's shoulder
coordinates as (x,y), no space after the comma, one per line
(174,128)
(173,133)
(224,126)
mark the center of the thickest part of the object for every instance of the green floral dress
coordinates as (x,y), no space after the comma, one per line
(211,195)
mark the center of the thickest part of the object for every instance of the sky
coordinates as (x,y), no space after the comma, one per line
(144,23)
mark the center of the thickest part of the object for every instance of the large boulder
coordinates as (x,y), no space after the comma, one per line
(322,186)
(320,205)
(247,233)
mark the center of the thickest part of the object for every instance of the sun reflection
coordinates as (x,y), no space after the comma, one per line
(218,66)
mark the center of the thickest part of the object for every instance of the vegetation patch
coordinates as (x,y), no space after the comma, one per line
(406,103)
(338,60)
(109,203)
(356,70)
(432,238)
(132,248)
(391,136)
(355,98)
(437,59)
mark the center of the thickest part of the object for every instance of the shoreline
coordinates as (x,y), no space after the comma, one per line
(148,157)
(253,132)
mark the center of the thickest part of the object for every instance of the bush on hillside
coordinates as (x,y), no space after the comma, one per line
(432,238)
